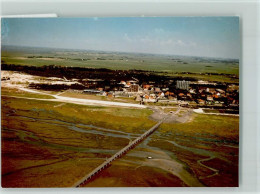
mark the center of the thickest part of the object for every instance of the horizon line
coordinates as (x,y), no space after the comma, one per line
(122,52)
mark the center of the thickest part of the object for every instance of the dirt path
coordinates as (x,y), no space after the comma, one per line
(96,102)
(176,169)
(211,156)
(36,166)
(212,169)
(181,115)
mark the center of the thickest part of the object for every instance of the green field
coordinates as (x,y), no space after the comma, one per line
(168,65)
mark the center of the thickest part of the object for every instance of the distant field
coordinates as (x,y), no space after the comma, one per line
(199,76)
(122,61)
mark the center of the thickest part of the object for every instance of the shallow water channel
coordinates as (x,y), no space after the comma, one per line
(160,156)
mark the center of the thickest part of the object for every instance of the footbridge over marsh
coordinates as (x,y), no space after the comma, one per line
(121,152)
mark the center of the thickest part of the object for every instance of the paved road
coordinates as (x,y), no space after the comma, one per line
(59,98)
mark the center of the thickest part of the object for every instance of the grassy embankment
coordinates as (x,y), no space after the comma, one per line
(19,93)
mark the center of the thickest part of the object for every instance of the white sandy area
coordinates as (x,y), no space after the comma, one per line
(20,81)
(96,102)
(163,161)
(17,78)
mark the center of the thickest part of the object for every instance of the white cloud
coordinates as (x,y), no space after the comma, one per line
(152,43)
(127,38)
(181,43)
(146,40)
(159,31)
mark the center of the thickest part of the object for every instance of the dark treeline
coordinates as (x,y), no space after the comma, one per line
(224,74)
(56,87)
(91,73)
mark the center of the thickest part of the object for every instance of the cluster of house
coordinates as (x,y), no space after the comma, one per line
(197,93)
(131,88)
(206,95)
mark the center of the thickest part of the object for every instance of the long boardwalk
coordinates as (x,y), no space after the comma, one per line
(131,145)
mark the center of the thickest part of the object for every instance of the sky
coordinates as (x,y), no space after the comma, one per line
(189,36)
